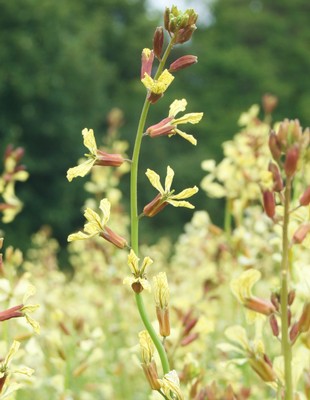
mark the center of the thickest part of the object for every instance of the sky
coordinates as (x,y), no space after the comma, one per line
(200,6)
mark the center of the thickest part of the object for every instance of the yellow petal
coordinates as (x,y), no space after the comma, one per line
(146,346)
(158,86)
(189,138)
(35,325)
(13,350)
(192,118)
(185,194)
(133,262)
(242,286)
(146,263)
(169,179)
(178,203)
(177,106)
(105,207)
(89,140)
(93,218)
(78,236)
(237,334)
(80,170)
(155,180)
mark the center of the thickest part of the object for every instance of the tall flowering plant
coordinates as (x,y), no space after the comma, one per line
(179,27)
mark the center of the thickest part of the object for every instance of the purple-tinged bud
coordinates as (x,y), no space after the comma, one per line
(166,18)
(274,325)
(276,176)
(158,41)
(147,58)
(269,103)
(301,233)
(304,200)
(275,301)
(291,160)
(183,62)
(189,339)
(269,203)
(114,238)
(155,206)
(294,332)
(291,297)
(109,160)
(274,146)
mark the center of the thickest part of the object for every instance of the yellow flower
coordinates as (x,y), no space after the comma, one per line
(192,118)
(97,226)
(137,281)
(170,386)
(166,195)
(159,86)
(242,289)
(161,290)
(30,308)
(168,126)
(85,167)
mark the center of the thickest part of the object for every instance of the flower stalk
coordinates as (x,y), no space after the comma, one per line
(285,341)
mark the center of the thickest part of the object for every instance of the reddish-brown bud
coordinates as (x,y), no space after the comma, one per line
(114,238)
(291,160)
(163,128)
(304,200)
(183,62)
(291,297)
(190,325)
(294,332)
(147,58)
(137,287)
(301,233)
(269,203)
(274,146)
(275,300)
(155,206)
(274,325)
(276,176)
(259,305)
(108,160)
(263,368)
(158,41)
(304,320)
(189,339)
(13,312)
(150,371)
(269,103)
(2,381)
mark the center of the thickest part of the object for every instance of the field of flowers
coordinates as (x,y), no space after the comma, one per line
(222,314)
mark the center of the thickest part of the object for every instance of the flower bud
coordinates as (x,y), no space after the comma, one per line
(304,200)
(13,312)
(304,320)
(274,146)
(162,128)
(274,325)
(294,332)
(291,297)
(179,25)
(291,159)
(263,367)
(114,238)
(150,371)
(183,62)
(276,176)
(269,103)
(189,339)
(161,297)
(301,233)
(147,59)
(158,41)
(109,160)
(269,203)
(163,321)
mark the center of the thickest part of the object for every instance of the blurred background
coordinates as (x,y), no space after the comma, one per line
(65,65)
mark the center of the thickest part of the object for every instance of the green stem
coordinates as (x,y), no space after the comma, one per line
(157,342)
(135,216)
(285,341)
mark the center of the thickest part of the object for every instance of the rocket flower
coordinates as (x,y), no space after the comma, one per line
(169,125)
(138,281)
(96,225)
(242,289)
(166,195)
(170,386)
(157,87)
(95,157)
